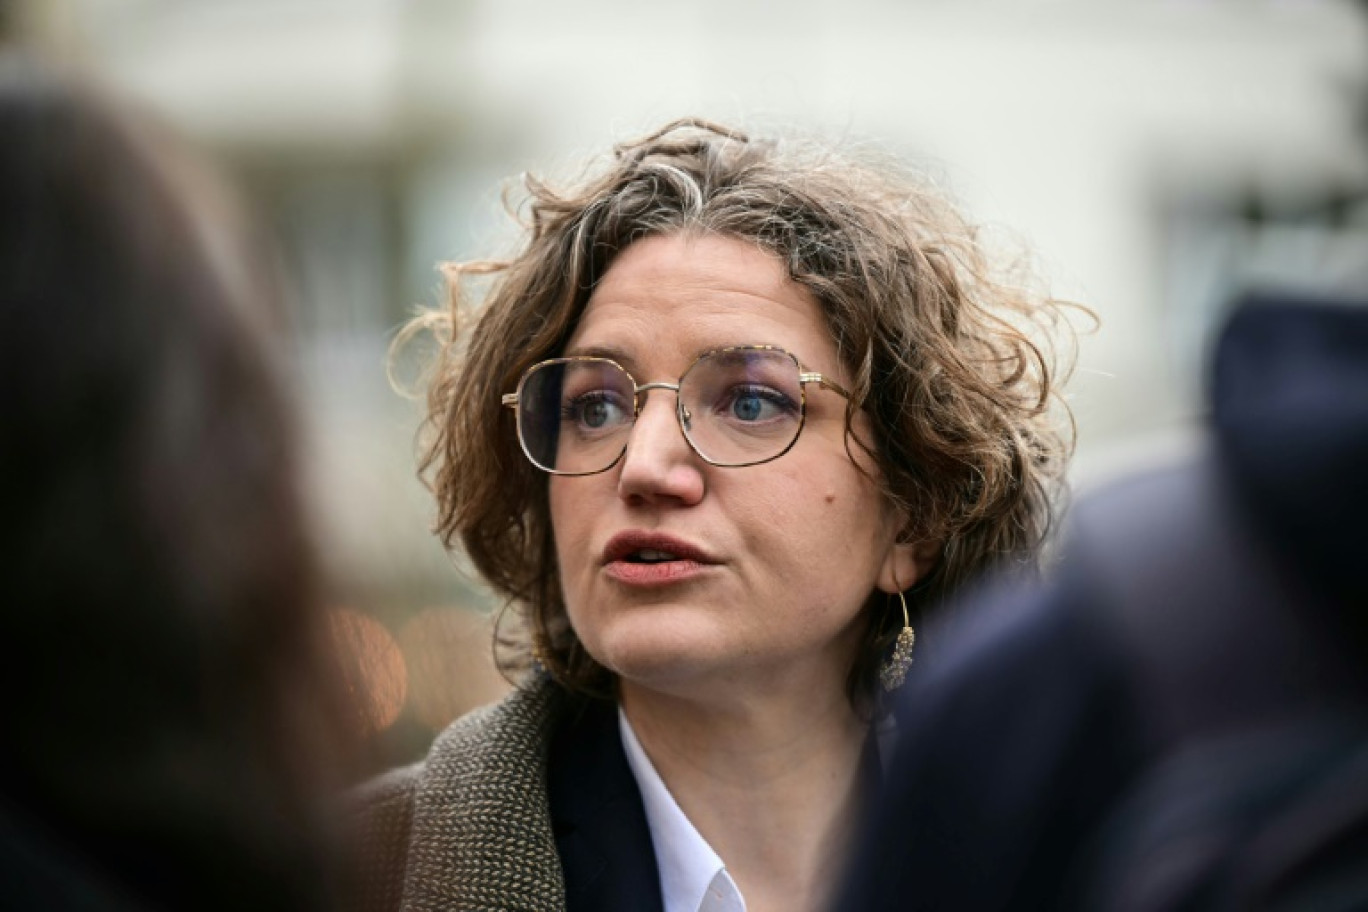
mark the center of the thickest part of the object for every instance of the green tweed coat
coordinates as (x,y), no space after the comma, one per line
(470,826)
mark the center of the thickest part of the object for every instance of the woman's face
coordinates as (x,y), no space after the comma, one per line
(774,561)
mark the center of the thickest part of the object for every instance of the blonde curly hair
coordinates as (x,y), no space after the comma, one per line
(951,361)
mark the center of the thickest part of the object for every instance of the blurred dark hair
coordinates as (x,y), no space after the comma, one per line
(168,702)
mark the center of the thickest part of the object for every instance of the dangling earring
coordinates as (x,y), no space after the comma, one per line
(540,653)
(894,669)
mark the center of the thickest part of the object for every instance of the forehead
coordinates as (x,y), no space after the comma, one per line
(667,299)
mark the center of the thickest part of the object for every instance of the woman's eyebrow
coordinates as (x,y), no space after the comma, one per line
(625,359)
(621,356)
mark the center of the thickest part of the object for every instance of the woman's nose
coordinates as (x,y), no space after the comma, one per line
(659,463)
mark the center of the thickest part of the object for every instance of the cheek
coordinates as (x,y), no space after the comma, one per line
(859,523)
(564,524)
(841,521)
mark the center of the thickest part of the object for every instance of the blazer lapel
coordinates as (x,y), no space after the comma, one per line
(597,817)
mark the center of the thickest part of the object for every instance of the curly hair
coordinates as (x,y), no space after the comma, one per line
(950,360)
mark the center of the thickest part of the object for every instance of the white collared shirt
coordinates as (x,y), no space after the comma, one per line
(692,876)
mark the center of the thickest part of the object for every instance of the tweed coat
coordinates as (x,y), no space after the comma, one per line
(469,827)
(528,804)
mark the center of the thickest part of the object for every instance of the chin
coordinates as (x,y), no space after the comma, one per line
(652,659)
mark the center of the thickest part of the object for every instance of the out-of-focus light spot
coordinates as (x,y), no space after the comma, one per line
(451,668)
(373,668)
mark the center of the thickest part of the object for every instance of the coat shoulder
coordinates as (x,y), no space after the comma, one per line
(445,829)
(378,820)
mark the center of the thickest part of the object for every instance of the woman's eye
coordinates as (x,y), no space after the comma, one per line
(748,408)
(597,414)
(759,404)
(595,410)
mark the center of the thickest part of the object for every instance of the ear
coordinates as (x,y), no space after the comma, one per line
(906,563)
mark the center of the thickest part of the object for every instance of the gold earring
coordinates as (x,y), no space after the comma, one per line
(894,669)
(540,654)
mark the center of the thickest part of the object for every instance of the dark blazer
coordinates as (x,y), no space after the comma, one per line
(598,818)
(528,804)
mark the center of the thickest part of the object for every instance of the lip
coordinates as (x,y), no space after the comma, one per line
(690,560)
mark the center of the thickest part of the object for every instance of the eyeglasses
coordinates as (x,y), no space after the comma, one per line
(736,406)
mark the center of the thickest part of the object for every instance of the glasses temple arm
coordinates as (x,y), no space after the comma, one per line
(810,377)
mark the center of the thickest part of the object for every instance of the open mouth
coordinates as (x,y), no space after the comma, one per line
(645,549)
(649,556)
(650,559)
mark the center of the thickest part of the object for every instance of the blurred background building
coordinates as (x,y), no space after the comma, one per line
(1157,155)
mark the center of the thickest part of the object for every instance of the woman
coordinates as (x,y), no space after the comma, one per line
(735,417)
(171,710)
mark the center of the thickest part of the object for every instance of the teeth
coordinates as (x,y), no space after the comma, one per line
(650,556)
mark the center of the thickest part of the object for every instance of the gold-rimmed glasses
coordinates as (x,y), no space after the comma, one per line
(736,406)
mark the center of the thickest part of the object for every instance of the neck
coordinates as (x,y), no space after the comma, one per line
(770,781)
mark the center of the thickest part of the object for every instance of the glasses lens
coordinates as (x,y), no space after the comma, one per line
(742,406)
(574,415)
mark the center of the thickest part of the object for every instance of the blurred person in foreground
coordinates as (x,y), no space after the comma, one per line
(736,415)
(1180,719)
(168,709)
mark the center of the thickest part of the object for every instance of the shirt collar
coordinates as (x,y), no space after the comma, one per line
(692,876)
